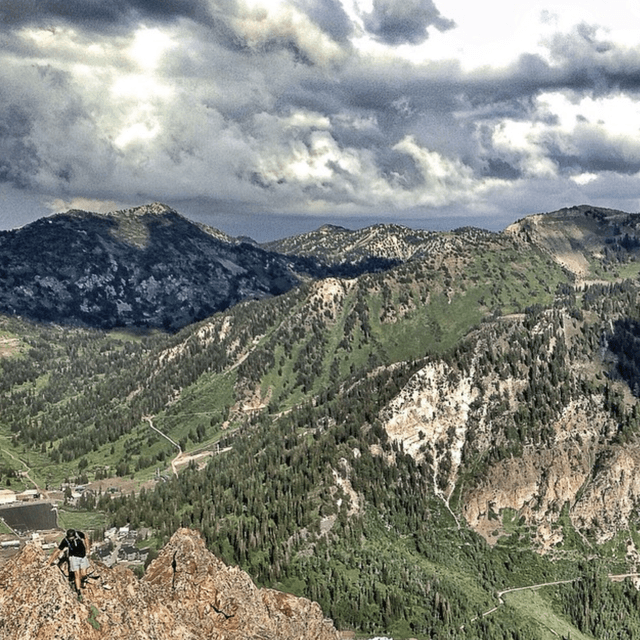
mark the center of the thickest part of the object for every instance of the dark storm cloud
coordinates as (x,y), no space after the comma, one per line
(396,96)
(582,62)
(229,23)
(403,22)
(18,156)
(592,149)
(96,13)
(277,109)
(399,169)
(47,135)
(498,168)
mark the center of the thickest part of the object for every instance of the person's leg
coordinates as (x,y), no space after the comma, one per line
(74,565)
(84,567)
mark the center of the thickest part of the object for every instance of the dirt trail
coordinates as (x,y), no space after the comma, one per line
(512,590)
(182,458)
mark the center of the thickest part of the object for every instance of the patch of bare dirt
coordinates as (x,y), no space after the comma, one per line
(9,347)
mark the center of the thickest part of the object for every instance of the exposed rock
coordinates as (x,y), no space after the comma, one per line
(576,236)
(545,480)
(446,416)
(609,501)
(537,486)
(331,244)
(186,594)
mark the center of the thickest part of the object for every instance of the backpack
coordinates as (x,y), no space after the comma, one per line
(75,542)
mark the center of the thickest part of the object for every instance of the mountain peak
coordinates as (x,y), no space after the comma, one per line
(186,593)
(155,208)
(152,209)
(577,236)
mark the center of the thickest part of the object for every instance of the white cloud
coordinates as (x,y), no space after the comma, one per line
(149,46)
(446,180)
(306,120)
(261,24)
(584,178)
(523,145)
(617,113)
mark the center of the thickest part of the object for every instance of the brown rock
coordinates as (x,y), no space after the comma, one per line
(186,594)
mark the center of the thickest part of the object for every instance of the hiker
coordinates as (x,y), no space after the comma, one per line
(78,545)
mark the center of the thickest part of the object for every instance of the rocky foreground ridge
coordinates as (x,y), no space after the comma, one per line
(185,594)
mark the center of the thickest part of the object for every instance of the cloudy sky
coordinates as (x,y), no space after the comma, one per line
(271,117)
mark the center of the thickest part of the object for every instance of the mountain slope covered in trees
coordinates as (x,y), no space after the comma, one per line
(143,267)
(400,446)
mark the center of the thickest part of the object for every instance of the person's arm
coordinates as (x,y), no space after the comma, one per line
(53,557)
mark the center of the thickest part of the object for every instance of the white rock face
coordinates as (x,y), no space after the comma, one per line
(430,416)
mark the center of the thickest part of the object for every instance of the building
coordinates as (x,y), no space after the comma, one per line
(28,495)
(7,496)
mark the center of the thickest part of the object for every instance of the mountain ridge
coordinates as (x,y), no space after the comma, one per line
(414,434)
(143,267)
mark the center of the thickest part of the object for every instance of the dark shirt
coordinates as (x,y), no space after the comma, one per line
(76,545)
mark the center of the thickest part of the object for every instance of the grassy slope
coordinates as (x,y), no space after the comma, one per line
(487,283)
(431,312)
(532,605)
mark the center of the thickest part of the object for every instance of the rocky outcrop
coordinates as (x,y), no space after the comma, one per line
(545,480)
(186,594)
(609,500)
(569,468)
(538,486)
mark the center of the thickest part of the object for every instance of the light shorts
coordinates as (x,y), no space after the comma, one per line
(76,563)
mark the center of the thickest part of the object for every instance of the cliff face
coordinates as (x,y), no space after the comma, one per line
(186,594)
(575,469)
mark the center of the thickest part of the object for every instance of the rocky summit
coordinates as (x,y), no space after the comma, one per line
(186,594)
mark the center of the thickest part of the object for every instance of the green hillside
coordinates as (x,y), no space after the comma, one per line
(278,408)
